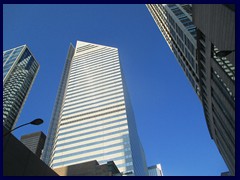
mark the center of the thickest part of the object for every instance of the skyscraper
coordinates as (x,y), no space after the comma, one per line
(19,71)
(216,55)
(205,50)
(34,142)
(155,170)
(92,117)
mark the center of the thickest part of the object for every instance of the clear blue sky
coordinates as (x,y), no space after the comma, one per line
(168,113)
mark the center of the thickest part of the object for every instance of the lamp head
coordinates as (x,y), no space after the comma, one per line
(37,121)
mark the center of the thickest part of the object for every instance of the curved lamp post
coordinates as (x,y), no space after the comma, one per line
(34,122)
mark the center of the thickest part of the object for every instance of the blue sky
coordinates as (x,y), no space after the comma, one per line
(168,113)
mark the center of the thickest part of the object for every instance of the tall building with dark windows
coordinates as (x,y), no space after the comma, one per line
(34,142)
(93,118)
(202,38)
(19,71)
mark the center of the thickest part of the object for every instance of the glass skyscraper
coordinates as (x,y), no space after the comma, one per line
(19,71)
(92,117)
(202,37)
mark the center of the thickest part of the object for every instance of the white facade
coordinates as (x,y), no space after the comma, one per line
(92,121)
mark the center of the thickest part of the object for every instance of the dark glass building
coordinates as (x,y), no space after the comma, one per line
(19,71)
(202,38)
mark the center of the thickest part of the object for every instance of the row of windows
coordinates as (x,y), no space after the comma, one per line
(73,117)
(93,57)
(94,142)
(86,95)
(85,85)
(107,77)
(95,104)
(105,61)
(97,52)
(86,158)
(91,102)
(93,99)
(92,107)
(113,128)
(93,61)
(99,76)
(120,133)
(96,126)
(99,118)
(88,74)
(99,83)
(84,48)
(111,79)
(84,152)
(97,88)
(100,91)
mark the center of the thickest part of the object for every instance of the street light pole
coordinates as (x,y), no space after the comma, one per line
(34,122)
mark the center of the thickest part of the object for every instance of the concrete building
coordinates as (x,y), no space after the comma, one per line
(155,170)
(18,160)
(202,38)
(91,168)
(92,117)
(34,142)
(216,57)
(19,71)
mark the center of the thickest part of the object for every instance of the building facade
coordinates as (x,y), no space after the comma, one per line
(216,57)
(34,142)
(19,72)
(90,168)
(197,37)
(155,170)
(93,117)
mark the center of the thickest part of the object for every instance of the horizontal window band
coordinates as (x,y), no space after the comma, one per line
(95,73)
(90,127)
(97,103)
(65,113)
(91,144)
(91,112)
(87,151)
(93,100)
(84,83)
(80,123)
(91,61)
(87,158)
(82,119)
(124,131)
(90,132)
(112,95)
(96,88)
(100,82)
(101,93)
(103,75)
(92,69)
(92,93)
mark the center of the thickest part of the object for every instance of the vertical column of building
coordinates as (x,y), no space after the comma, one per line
(52,131)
